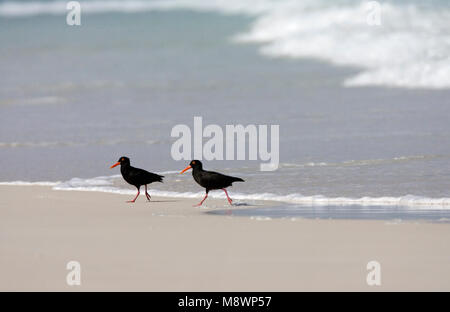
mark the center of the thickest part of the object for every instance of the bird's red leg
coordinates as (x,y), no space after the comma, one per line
(228,197)
(132,201)
(147,194)
(199,204)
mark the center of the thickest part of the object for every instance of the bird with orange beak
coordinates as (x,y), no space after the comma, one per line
(136,176)
(210,180)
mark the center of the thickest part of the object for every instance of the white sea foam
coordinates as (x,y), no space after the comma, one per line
(169,172)
(363,162)
(106,184)
(410,49)
(258,218)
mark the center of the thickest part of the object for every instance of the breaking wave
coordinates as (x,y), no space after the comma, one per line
(410,49)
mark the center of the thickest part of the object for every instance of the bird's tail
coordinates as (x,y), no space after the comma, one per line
(160,178)
(235,179)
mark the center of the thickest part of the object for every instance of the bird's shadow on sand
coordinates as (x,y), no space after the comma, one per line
(241,204)
(162,201)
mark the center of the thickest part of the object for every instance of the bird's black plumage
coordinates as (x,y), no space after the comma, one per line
(211,180)
(137,176)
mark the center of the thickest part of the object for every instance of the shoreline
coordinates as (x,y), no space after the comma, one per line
(408,201)
(167,245)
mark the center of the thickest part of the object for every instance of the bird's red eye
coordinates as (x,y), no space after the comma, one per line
(193,162)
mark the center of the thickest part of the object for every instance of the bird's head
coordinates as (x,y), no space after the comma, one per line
(122,161)
(194,164)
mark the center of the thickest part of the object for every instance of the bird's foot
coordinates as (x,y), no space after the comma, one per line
(130,201)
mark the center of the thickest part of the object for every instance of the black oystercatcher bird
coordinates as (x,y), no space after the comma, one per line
(136,176)
(210,180)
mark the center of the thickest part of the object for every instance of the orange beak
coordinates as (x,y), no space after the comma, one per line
(186,169)
(116,164)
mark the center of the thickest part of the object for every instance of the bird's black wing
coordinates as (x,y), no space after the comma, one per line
(216,180)
(144,177)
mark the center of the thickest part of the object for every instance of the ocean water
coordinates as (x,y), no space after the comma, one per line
(364,111)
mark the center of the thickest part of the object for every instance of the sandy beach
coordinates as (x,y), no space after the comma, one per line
(168,245)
